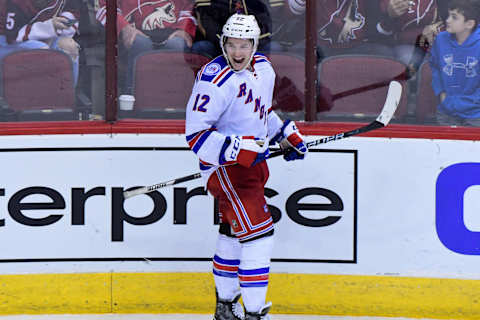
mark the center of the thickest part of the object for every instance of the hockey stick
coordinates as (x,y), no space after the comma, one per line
(391,103)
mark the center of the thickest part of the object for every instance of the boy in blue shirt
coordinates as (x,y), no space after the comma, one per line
(455,69)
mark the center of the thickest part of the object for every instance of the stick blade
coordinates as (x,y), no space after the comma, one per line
(391,103)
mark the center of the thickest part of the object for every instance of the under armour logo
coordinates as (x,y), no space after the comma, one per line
(469,66)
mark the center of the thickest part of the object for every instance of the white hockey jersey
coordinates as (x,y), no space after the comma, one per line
(224,103)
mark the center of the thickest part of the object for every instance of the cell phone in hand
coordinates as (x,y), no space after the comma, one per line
(70,22)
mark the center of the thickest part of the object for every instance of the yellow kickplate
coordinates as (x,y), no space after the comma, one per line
(55,293)
(385,296)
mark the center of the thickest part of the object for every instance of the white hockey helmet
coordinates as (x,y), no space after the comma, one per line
(240,26)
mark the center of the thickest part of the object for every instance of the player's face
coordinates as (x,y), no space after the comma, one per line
(239,52)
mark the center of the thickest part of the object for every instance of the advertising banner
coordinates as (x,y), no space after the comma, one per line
(356,206)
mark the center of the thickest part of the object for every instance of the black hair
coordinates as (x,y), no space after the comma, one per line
(470,9)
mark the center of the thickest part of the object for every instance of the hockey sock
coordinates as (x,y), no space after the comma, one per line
(253,272)
(225,267)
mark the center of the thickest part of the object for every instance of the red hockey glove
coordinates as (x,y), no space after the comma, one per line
(291,141)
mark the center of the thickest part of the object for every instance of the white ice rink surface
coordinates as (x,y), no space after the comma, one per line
(178,317)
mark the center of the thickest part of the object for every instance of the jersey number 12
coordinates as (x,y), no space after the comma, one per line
(201,107)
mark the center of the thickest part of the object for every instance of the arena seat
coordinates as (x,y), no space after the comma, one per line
(354,87)
(38,85)
(426,99)
(289,82)
(163,83)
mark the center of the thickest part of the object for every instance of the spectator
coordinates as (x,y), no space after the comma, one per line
(144,25)
(6,48)
(212,15)
(455,68)
(344,27)
(288,26)
(409,26)
(32,24)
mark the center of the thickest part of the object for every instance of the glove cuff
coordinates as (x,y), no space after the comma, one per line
(245,151)
(252,151)
(230,149)
(294,139)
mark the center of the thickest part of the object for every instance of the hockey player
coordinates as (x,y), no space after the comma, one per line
(160,21)
(229,125)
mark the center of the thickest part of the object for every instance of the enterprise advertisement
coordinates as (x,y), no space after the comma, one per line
(357,206)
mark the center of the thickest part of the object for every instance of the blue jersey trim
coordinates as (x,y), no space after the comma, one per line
(225,78)
(220,61)
(201,140)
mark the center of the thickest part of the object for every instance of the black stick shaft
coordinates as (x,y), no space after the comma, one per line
(369,127)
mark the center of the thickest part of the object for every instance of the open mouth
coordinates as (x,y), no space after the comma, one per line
(238,60)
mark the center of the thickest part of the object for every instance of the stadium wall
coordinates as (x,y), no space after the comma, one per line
(382,225)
